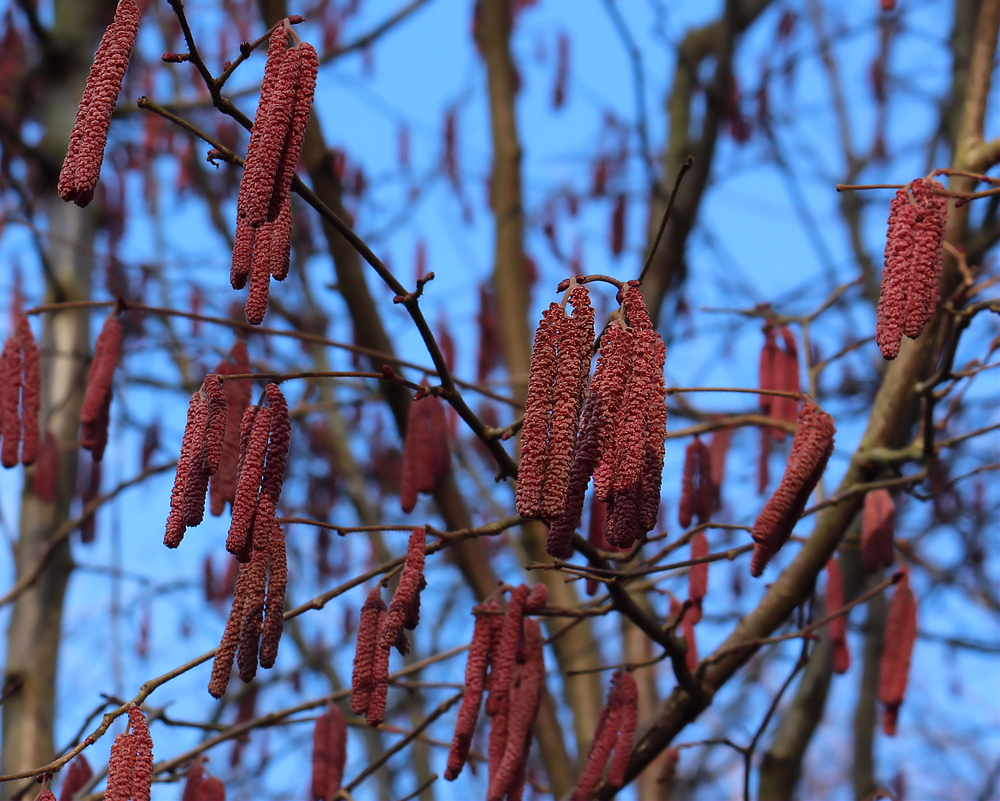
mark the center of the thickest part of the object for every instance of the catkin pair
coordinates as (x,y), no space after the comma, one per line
(613,737)
(811,448)
(95,414)
(380,629)
(329,754)
(779,371)
(130,768)
(909,292)
(81,167)
(263,206)
(560,365)
(20,397)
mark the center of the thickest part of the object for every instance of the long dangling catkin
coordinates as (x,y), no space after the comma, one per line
(537,414)
(523,710)
(631,429)
(223,485)
(142,776)
(31,392)
(925,263)
(260,276)
(603,743)
(277,583)
(305,87)
(329,754)
(280,242)
(655,442)
(258,420)
(897,652)
(81,167)
(375,713)
(425,455)
(97,397)
(767,370)
(892,299)
(502,668)
(243,247)
(838,626)
(273,475)
(693,476)
(187,466)
(10,402)
(216,421)
(364,652)
(877,528)
(222,667)
(787,369)
(77,776)
(698,574)
(811,448)
(628,700)
(267,136)
(193,782)
(407,592)
(478,662)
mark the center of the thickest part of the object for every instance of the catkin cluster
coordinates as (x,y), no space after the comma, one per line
(426,454)
(130,768)
(811,448)
(908,294)
(779,371)
(20,397)
(621,436)
(897,652)
(82,165)
(380,629)
(329,754)
(200,456)
(263,206)
(95,414)
(613,737)
(201,785)
(506,662)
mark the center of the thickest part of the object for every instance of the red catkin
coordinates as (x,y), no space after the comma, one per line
(121,765)
(305,87)
(329,754)
(243,246)
(270,128)
(375,713)
(31,392)
(718,447)
(97,397)
(142,776)
(925,263)
(187,466)
(46,795)
(212,789)
(260,276)
(193,783)
(223,485)
(277,583)
(787,369)
(364,652)
(838,626)
(273,474)
(892,299)
(603,743)
(811,448)
(248,651)
(222,667)
(10,402)
(256,422)
(766,370)
(628,699)
(656,435)
(82,165)
(280,242)
(696,473)
(877,529)
(215,423)
(77,776)
(523,709)
(426,456)
(698,574)
(46,478)
(537,414)
(476,665)
(407,592)
(502,668)
(897,652)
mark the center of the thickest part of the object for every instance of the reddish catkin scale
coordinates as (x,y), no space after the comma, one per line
(877,530)
(537,414)
(142,777)
(10,402)
(811,448)
(31,389)
(891,311)
(364,652)
(81,167)
(925,263)
(476,665)
(897,652)
(838,626)
(329,754)
(97,396)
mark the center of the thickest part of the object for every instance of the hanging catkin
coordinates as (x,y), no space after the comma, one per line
(877,524)
(95,411)
(897,652)
(811,448)
(81,167)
